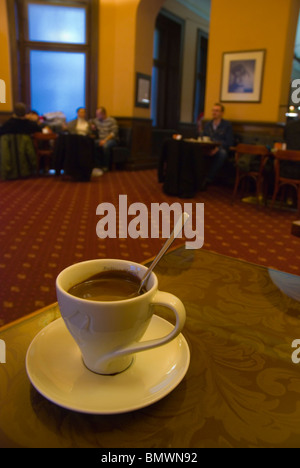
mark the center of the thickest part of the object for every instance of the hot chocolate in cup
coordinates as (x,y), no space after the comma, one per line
(109,328)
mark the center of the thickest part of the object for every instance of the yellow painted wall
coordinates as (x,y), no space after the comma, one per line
(145,24)
(125,47)
(5,71)
(237,25)
(117,55)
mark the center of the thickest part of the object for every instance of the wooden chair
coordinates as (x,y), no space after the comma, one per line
(281,179)
(44,147)
(256,175)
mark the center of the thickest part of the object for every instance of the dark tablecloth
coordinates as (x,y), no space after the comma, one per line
(183,166)
(74,154)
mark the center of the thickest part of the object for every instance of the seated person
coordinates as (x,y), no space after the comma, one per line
(18,156)
(34,116)
(80,125)
(220,130)
(107,129)
(18,123)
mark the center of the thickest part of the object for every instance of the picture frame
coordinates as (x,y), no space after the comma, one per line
(242,76)
(143,90)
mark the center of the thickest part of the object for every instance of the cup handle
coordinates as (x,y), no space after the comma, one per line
(162,299)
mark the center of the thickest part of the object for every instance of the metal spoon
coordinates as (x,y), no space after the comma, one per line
(176,231)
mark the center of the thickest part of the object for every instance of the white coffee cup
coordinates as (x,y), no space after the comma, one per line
(109,333)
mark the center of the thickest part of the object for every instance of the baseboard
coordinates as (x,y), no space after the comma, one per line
(142,164)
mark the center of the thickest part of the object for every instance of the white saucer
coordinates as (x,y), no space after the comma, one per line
(55,368)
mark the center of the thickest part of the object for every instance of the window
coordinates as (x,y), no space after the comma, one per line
(52,81)
(52,23)
(54,54)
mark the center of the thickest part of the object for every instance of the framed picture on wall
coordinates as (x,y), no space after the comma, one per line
(143,90)
(242,76)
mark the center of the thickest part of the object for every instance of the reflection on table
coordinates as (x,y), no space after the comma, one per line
(241,389)
(74,154)
(183,165)
(288,284)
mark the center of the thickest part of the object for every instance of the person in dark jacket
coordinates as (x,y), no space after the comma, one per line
(18,156)
(219,130)
(18,123)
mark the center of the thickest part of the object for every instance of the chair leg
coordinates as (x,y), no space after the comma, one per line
(265,192)
(259,189)
(236,185)
(274,196)
(38,164)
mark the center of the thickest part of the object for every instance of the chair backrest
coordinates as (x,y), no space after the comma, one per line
(290,167)
(42,143)
(287,155)
(250,158)
(125,136)
(44,136)
(244,148)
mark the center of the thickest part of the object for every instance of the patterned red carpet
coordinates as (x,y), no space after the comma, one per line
(47,224)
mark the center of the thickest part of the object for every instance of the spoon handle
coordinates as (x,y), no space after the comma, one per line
(176,231)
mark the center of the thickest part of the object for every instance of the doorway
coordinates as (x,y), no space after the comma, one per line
(166,73)
(200,82)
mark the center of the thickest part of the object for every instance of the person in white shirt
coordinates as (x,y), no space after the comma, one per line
(80,126)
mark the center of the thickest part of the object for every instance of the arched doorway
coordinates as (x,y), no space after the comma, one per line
(166,71)
(170,38)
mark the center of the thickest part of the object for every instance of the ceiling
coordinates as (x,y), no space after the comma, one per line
(200,7)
